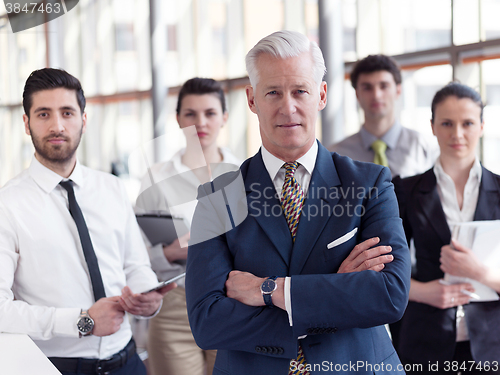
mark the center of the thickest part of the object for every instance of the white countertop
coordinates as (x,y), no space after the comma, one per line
(20,356)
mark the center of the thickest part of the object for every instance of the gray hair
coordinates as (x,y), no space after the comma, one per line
(285,44)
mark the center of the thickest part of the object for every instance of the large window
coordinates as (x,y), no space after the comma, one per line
(109,44)
(491,93)
(394,27)
(435,42)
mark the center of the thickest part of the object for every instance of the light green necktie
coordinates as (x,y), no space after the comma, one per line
(379,148)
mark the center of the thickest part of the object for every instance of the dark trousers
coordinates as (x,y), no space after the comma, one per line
(134,366)
(462,363)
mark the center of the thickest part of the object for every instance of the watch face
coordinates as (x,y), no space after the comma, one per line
(268,286)
(85,325)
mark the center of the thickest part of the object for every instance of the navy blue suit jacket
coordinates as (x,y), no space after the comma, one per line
(428,333)
(341,314)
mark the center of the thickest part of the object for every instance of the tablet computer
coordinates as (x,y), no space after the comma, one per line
(162,228)
(163,283)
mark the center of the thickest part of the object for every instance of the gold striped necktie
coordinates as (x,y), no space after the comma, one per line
(292,199)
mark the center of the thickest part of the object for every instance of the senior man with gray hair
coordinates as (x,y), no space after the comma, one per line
(304,283)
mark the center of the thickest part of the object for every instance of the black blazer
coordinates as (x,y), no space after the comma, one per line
(428,333)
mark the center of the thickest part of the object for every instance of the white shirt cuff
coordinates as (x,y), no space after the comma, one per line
(151,316)
(65,320)
(288,299)
(288,302)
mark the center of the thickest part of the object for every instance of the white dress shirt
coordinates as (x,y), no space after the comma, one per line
(177,197)
(44,279)
(454,215)
(408,151)
(303,174)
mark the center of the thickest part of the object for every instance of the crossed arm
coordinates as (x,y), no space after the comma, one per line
(245,287)
(226,308)
(234,305)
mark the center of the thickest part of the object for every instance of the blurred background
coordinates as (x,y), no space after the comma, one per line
(132,55)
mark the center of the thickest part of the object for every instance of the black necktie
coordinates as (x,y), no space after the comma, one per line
(88,249)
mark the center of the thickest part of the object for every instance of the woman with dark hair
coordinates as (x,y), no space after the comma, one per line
(443,327)
(172,187)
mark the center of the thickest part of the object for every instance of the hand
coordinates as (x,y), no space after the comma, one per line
(107,314)
(438,295)
(457,260)
(143,304)
(366,257)
(245,288)
(177,250)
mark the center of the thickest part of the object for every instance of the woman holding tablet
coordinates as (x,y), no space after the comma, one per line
(443,326)
(172,187)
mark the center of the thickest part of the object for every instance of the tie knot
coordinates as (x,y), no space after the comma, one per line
(379,146)
(68,185)
(291,168)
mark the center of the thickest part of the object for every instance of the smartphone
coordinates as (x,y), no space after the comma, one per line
(163,283)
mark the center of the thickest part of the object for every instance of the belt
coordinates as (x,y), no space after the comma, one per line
(95,366)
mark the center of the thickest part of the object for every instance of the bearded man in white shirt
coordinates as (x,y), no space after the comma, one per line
(73,309)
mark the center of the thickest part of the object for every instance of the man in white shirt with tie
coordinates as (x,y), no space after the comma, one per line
(382,139)
(72,260)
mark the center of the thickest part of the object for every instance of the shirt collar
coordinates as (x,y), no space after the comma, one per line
(390,137)
(48,179)
(177,161)
(179,167)
(476,171)
(273,164)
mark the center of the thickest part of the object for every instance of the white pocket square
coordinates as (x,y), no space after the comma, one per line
(346,237)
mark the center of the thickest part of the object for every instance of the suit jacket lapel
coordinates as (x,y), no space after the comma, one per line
(312,221)
(488,200)
(264,206)
(428,200)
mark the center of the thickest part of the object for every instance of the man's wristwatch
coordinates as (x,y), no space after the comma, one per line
(85,323)
(267,288)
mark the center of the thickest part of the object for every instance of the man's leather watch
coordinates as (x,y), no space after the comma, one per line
(267,289)
(85,323)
